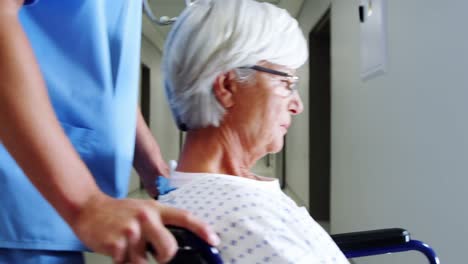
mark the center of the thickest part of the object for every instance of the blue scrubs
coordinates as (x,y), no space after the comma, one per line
(89,55)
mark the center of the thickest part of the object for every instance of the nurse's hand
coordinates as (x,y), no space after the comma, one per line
(10,6)
(122,228)
(150,172)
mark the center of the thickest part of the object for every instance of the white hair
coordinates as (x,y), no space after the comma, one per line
(212,37)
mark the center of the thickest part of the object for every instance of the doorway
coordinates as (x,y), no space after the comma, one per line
(145,97)
(319,118)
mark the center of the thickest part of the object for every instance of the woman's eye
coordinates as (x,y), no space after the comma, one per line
(286,84)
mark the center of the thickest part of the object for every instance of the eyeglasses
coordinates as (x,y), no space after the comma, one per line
(291,79)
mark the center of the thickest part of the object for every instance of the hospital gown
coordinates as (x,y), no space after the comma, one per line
(256,221)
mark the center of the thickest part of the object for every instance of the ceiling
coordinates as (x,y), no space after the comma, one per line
(172,8)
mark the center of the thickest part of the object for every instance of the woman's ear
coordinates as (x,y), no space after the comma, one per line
(224,88)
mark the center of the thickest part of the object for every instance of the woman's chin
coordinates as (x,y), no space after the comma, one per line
(276,146)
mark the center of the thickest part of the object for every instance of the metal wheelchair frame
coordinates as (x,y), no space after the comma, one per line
(354,245)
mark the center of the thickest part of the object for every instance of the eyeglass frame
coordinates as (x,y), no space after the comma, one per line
(293,79)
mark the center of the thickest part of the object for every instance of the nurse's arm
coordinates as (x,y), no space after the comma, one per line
(32,134)
(148,161)
(29,128)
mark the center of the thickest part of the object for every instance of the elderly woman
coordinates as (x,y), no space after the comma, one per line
(229,76)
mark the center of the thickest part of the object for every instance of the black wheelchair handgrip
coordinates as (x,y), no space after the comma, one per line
(192,249)
(371,239)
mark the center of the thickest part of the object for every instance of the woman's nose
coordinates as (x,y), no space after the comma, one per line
(295,106)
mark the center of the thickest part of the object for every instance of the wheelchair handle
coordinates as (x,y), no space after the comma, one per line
(192,249)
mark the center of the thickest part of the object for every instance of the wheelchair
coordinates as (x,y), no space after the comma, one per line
(194,250)
(354,245)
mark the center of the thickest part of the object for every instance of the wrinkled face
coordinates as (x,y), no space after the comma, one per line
(263,110)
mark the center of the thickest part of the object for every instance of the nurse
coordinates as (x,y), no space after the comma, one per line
(70,130)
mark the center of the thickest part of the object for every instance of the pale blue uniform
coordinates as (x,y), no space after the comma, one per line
(89,55)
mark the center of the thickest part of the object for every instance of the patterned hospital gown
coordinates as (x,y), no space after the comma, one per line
(256,221)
